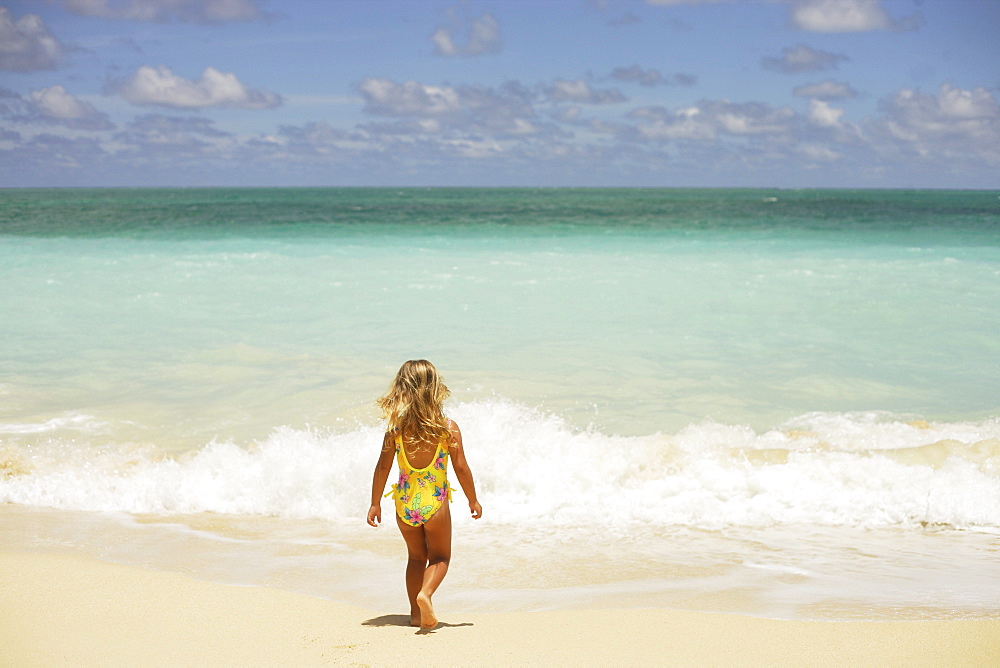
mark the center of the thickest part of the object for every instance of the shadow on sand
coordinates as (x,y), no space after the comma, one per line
(404,620)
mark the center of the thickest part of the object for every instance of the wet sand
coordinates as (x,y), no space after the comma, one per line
(58,609)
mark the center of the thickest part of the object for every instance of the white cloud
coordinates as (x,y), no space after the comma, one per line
(659,124)
(388,98)
(482,35)
(305,145)
(801,58)
(824,115)
(819,153)
(711,118)
(409,126)
(160,86)
(829,16)
(190,11)
(54,101)
(184,144)
(171,130)
(57,104)
(839,15)
(750,118)
(26,45)
(954,115)
(52,152)
(567,114)
(826,90)
(477,148)
(958,104)
(53,105)
(578,91)
(506,111)
(652,77)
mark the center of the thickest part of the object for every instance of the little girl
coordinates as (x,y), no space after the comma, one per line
(421,438)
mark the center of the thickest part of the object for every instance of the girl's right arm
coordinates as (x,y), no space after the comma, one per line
(381,475)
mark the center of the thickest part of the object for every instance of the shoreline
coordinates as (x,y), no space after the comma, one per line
(59,609)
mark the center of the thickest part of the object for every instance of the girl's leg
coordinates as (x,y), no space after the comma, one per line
(437,531)
(416,565)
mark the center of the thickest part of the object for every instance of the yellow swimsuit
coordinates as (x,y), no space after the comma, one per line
(420,493)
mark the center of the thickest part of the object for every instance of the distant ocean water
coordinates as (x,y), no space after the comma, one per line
(776,402)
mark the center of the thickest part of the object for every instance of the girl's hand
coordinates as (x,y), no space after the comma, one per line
(374,515)
(477,510)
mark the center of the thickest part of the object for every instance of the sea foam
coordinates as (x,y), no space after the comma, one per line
(532,467)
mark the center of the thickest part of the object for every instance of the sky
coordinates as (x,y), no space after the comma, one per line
(586,93)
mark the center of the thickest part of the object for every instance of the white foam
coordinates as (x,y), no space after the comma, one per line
(532,468)
(77,421)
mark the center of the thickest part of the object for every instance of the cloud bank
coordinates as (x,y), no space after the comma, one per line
(602,127)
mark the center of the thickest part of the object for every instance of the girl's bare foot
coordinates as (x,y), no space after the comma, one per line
(414,619)
(428,620)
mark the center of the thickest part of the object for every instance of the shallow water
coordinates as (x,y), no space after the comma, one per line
(788,572)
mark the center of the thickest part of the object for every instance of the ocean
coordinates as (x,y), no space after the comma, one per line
(782,403)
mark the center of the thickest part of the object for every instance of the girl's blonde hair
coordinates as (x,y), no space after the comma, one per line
(413,403)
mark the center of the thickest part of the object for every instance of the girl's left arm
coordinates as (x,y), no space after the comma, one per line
(462,471)
(382,469)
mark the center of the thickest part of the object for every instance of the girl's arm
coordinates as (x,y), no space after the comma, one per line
(382,469)
(462,471)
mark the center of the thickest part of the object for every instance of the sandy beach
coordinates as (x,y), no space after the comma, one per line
(58,609)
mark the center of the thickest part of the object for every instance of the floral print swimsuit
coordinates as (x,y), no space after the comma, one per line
(420,493)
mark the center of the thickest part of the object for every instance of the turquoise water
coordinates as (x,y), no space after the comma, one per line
(698,360)
(633,310)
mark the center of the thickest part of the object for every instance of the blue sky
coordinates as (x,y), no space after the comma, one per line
(769,93)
